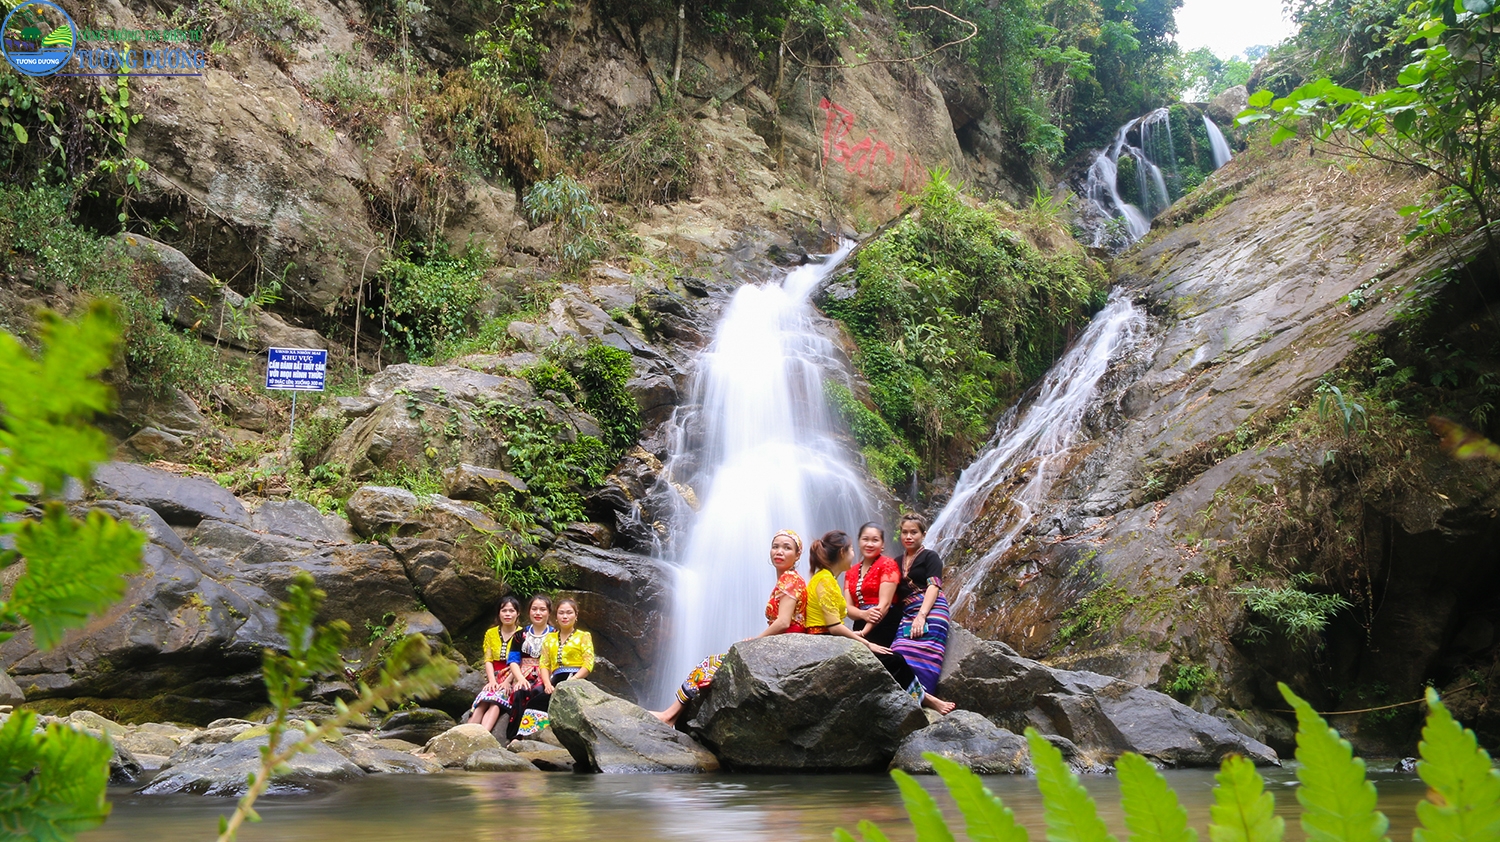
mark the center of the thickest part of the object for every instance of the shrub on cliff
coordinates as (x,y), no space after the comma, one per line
(954,314)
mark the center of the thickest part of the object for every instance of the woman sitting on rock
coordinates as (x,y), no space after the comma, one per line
(923,634)
(568,652)
(539,609)
(829,557)
(786,611)
(502,665)
(871,586)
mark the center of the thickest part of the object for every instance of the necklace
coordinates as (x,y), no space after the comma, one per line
(859,586)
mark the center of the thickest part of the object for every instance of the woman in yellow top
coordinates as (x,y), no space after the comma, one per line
(829,557)
(566,653)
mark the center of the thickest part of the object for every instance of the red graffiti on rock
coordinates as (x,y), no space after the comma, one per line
(858,158)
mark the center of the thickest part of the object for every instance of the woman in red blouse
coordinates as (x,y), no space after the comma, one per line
(786,612)
(870,587)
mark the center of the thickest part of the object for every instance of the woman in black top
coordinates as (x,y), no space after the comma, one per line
(922,636)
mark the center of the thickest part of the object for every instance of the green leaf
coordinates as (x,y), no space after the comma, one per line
(1464,802)
(1070,812)
(52,783)
(1282,134)
(1338,804)
(73,569)
(926,818)
(1150,806)
(1479,7)
(1243,811)
(987,818)
(1261,98)
(20,131)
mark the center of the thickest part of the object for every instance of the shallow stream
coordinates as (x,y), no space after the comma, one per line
(475,807)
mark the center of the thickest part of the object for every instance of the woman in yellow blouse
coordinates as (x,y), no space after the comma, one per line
(829,557)
(568,652)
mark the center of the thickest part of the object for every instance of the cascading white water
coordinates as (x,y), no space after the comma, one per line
(1040,435)
(762,453)
(1217,143)
(1156,149)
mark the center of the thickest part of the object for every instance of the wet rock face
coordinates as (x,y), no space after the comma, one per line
(1102,716)
(966,738)
(607,734)
(1128,566)
(186,639)
(804,702)
(224,771)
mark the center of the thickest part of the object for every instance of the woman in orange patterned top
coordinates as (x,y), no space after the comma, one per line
(786,611)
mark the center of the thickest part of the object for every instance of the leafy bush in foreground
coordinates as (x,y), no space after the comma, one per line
(1338,803)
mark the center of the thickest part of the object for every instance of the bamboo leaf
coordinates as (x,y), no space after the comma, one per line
(926,818)
(1243,811)
(1464,802)
(1151,809)
(1338,804)
(986,816)
(1070,812)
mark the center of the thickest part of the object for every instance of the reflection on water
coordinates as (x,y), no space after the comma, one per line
(475,807)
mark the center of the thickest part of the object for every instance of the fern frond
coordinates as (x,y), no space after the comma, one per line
(1243,811)
(926,818)
(1464,802)
(986,816)
(1151,809)
(1071,814)
(1338,803)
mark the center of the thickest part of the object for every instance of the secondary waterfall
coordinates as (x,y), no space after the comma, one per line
(1153,153)
(1217,143)
(760,448)
(1022,458)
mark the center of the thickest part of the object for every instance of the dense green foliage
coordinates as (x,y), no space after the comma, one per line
(954,313)
(1204,75)
(577,226)
(1439,117)
(52,782)
(43,245)
(887,456)
(1063,74)
(1338,803)
(602,374)
(430,296)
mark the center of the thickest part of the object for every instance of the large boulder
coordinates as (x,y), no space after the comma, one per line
(454,746)
(966,738)
(180,500)
(10,691)
(622,598)
(804,702)
(497,760)
(185,643)
(608,734)
(416,726)
(225,770)
(1103,716)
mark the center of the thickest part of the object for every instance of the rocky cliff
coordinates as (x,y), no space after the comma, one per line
(1262,442)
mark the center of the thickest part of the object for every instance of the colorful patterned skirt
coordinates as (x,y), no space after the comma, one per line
(498,696)
(699,679)
(925,654)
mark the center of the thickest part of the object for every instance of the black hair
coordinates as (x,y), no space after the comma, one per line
(913,517)
(875,526)
(509,599)
(826,551)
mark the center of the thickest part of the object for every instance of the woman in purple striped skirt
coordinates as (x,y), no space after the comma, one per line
(923,634)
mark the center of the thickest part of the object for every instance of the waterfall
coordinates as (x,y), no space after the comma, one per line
(1022,457)
(759,445)
(1217,143)
(1154,151)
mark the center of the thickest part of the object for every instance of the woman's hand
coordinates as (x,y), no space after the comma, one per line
(877,648)
(873,615)
(547,685)
(918,626)
(492,687)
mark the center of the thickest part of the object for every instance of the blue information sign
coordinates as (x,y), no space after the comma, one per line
(298,369)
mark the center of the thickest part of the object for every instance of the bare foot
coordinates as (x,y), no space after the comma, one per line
(937,704)
(666,717)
